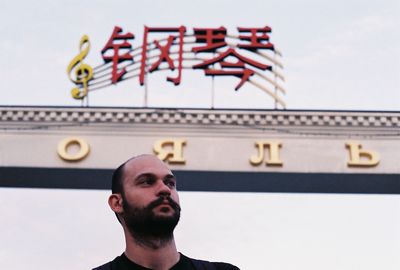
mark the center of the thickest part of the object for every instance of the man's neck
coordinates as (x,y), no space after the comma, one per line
(153,253)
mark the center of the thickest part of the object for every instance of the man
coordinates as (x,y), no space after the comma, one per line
(146,203)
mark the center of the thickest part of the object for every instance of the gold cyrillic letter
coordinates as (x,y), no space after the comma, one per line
(173,154)
(62,149)
(273,147)
(361,158)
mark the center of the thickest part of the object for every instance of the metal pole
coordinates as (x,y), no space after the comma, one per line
(212,88)
(145,87)
(275,80)
(145,80)
(212,92)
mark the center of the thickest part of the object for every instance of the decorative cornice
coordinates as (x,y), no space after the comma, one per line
(351,119)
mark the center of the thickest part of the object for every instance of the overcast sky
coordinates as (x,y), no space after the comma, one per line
(336,54)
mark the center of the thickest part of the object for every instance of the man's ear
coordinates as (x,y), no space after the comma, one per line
(115,203)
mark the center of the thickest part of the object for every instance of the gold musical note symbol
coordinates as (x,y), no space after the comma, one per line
(83,72)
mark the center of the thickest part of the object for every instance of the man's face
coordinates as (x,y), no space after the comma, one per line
(150,200)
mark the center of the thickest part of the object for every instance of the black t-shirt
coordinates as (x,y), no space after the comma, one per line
(184,263)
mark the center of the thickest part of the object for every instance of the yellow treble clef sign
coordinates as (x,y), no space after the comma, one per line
(83,72)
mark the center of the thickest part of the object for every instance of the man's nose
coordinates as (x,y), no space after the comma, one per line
(163,189)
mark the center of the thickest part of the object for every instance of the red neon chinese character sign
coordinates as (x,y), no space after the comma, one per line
(256,41)
(116,58)
(166,48)
(164,52)
(244,73)
(215,39)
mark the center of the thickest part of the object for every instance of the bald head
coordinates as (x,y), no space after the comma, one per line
(144,161)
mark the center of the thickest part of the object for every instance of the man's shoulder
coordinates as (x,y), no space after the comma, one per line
(106,266)
(109,265)
(207,265)
(222,266)
(225,266)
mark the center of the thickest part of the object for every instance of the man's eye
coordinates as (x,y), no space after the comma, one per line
(146,181)
(171,183)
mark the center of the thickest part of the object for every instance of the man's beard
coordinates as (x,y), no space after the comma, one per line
(145,226)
